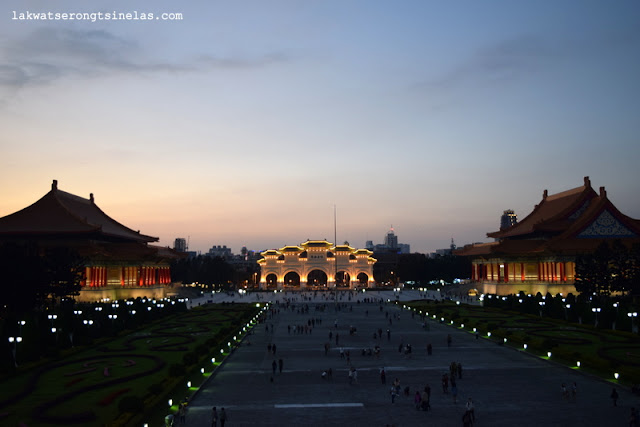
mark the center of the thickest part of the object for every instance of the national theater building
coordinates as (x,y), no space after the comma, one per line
(538,253)
(119,262)
(316,264)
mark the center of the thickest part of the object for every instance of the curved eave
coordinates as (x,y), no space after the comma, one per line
(552,208)
(316,244)
(290,249)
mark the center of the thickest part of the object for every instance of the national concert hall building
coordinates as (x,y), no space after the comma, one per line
(538,254)
(119,262)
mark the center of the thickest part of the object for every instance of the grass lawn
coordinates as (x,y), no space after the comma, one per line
(601,352)
(84,388)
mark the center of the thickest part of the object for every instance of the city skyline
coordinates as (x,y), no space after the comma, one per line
(246,124)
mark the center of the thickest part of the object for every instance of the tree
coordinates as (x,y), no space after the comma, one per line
(32,276)
(611,268)
(593,273)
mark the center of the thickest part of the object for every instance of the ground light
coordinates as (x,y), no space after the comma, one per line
(202,370)
(170,402)
(489,334)
(524,346)
(548,354)
(616,375)
(578,363)
(213,360)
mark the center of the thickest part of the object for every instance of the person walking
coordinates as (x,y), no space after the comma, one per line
(417,400)
(466,419)
(182,412)
(274,366)
(614,396)
(471,409)
(280,364)
(223,417)
(214,417)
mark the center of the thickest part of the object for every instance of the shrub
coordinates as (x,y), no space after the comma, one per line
(156,389)
(133,404)
(177,370)
(190,358)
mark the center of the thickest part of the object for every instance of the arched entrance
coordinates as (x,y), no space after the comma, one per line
(317,278)
(363,279)
(343,279)
(292,280)
(272,281)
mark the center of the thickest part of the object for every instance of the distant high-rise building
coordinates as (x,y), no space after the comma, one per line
(391,240)
(390,244)
(180,245)
(508,219)
(220,251)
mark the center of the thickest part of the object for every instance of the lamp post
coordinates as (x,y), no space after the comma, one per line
(596,310)
(21,323)
(565,311)
(541,303)
(113,318)
(52,318)
(633,316)
(13,342)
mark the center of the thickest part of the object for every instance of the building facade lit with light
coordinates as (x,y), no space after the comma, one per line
(119,262)
(538,254)
(316,264)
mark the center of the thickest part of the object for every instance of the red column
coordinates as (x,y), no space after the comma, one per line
(506,272)
(522,271)
(539,272)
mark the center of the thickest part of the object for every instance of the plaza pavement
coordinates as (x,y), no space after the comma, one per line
(508,387)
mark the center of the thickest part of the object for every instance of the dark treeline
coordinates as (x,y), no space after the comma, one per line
(611,269)
(34,277)
(213,271)
(421,269)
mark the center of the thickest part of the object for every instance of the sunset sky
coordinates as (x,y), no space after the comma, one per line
(246,122)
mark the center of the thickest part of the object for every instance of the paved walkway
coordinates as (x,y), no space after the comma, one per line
(508,388)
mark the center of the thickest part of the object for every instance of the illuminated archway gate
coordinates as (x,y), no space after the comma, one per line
(319,256)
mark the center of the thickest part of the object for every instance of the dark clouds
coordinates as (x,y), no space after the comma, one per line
(48,54)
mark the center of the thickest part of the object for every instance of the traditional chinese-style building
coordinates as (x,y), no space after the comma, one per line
(538,253)
(316,264)
(119,262)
